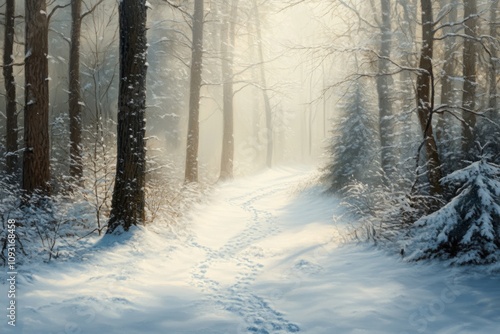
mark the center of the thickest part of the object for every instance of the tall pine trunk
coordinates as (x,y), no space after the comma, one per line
(425,102)
(10,87)
(127,206)
(75,108)
(193,137)
(469,74)
(227,50)
(36,159)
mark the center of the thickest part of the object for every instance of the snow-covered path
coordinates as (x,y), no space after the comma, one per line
(258,257)
(232,290)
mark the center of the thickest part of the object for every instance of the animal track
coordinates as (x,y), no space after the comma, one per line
(259,316)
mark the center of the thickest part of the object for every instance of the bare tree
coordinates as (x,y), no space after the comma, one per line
(127,206)
(493,91)
(75,98)
(193,137)
(425,97)
(75,107)
(444,126)
(469,75)
(10,87)
(267,103)
(36,159)
(228,34)
(384,81)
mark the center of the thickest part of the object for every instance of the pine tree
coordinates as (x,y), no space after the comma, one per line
(36,158)
(128,195)
(467,229)
(353,151)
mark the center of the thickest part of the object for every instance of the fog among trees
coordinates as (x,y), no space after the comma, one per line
(231,166)
(132,106)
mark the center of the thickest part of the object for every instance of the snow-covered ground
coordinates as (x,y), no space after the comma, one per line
(258,257)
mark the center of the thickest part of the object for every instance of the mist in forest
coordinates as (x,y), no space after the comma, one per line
(298,79)
(200,163)
(301,104)
(378,94)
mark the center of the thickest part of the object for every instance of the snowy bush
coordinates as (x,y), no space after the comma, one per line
(467,229)
(353,154)
(99,159)
(46,227)
(64,225)
(381,213)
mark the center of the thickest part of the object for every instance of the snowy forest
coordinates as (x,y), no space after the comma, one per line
(227,166)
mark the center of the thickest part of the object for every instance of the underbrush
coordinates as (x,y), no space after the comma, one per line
(378,213)
(59,227)
(461,228)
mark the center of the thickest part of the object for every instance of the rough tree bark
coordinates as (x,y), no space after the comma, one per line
(469,75)
(267,103)
(425,103)
(128,195)
(75,108)
(193,137)
(228,35)
(10,87)
(36,158)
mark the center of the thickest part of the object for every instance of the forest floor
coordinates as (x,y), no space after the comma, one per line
(262,255)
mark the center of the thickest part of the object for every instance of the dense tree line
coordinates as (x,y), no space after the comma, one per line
(69,141)
(417,81)
(452,73)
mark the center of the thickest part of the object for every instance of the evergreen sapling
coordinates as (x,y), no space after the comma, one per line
(353,149)
(467,229)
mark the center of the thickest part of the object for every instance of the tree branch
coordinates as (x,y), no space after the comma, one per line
(91,10)
(55,9)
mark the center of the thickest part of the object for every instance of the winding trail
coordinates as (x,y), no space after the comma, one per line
(237,296)
(258,256)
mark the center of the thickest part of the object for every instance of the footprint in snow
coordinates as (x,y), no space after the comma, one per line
(307,267)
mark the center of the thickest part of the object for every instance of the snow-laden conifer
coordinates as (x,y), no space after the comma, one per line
(467,229)
(353,152)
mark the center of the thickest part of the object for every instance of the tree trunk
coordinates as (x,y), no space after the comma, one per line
(448,66)
(228,35)
(425,101)
(191,172)
(75,108)
(405,102)
(444,124)
(127,206)
(36,159)
(267,103)
(384,83)
(10,88)
(492,94)
(469,74)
